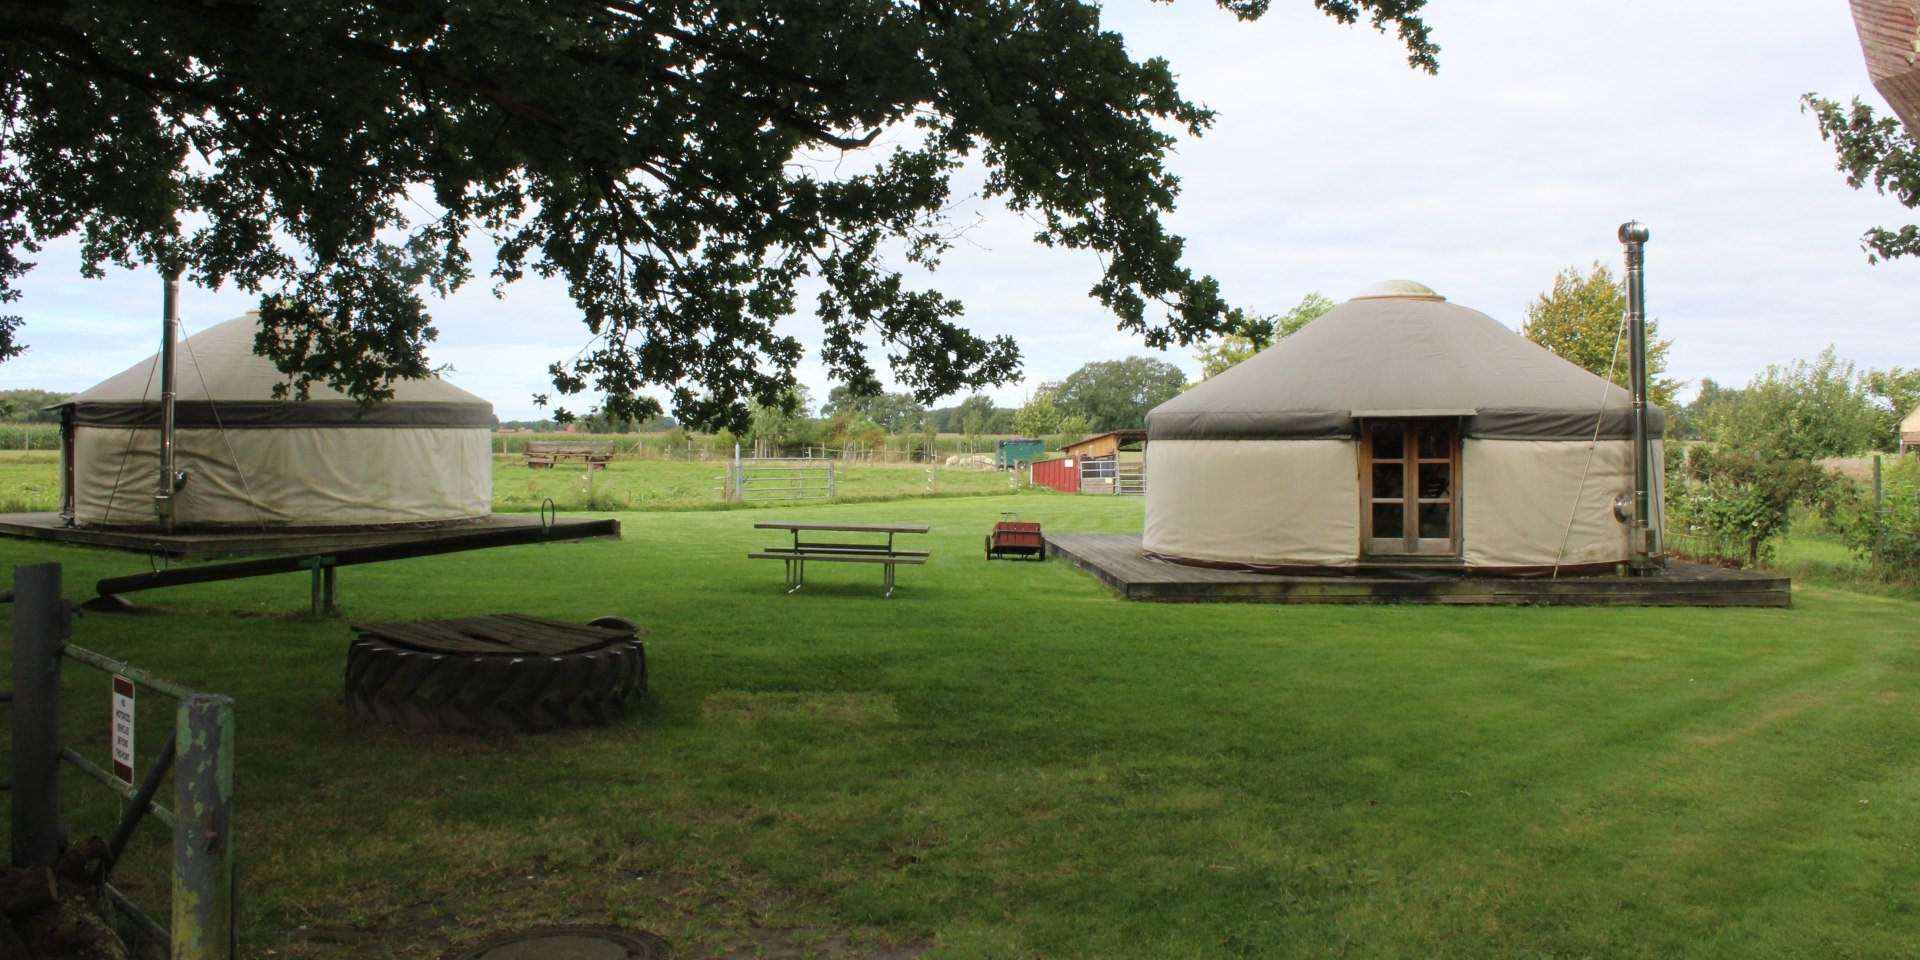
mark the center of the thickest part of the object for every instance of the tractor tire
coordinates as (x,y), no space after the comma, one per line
(440,692)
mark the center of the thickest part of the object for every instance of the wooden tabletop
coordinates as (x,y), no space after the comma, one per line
(846,527)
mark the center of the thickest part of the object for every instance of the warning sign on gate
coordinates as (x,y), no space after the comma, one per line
(123,729)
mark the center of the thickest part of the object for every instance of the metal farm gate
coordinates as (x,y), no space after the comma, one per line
(766,479)
(1113,476)
(198,752)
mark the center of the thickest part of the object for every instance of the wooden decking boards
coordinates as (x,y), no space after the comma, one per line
(243,542)
(1118,561)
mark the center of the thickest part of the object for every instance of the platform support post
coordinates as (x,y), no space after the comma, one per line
(323,584)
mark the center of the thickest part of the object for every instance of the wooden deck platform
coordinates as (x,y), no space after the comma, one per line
(247,543)
(1118,561)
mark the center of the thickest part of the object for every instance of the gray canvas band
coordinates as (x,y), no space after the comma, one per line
(1487,424)
(263,414)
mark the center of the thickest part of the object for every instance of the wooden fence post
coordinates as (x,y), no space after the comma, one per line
(203,920)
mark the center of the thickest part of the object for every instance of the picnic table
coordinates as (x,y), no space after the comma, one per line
(548,453)
(862,551)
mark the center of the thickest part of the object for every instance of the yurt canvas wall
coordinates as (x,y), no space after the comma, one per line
(251,460)
(1397,428)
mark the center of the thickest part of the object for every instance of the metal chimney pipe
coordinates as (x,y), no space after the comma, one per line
(169,477)
(1643,555)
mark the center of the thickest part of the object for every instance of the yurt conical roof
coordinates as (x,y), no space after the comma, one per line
(1400,350)
(220,382)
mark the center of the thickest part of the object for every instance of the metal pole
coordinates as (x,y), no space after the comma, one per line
(1879,512)
(169,480)
(1643,555)
(202,927)
(41,621)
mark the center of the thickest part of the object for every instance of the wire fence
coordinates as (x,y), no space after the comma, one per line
(964,452)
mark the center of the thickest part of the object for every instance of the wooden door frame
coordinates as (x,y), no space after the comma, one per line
(1410,480)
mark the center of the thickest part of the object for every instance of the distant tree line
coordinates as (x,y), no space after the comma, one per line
(1101,395)
(27,406)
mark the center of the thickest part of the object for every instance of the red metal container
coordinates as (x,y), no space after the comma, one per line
(1061,475)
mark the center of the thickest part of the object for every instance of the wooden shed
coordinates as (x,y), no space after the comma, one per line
(1104,444)
(1101,470)
(1910,432)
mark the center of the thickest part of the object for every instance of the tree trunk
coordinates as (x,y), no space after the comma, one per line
(25,890)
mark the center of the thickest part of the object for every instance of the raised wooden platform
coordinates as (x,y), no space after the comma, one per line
(1117,560)
(247,543)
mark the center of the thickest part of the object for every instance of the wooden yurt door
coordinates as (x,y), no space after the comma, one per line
(1410,488)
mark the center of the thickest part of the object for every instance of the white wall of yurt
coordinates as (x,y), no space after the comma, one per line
(1524,503)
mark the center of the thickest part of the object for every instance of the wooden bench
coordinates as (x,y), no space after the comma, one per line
(796,556)
(545,454)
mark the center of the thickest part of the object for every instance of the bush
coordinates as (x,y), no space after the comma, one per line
(1730,506)
(1894,529)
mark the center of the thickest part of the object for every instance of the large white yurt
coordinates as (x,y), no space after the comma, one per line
(1397,430)
(425,456)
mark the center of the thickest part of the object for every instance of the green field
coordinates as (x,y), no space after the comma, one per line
(1006,761)
(636,484)
(29,482)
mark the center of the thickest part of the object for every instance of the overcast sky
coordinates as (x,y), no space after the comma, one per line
(1333,165)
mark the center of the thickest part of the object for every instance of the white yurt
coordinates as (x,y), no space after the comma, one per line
(1397,430)
(425,456)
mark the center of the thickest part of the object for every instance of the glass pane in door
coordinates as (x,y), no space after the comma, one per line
(1389,521)
(1388,441)
(1389,481)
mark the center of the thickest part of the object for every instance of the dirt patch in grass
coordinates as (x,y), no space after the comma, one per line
(846,709)
(761,940)
(1793,704)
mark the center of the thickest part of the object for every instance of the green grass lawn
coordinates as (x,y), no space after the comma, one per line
(1006,761)
(29,481)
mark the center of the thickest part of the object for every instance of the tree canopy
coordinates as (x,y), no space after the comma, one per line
(678,164)
(28,406)
(1116,394)
(1805,410)
(1248,333)
(1878,151)
(1580,320)
(891,412)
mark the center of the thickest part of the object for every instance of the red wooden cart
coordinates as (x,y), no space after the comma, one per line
(1011,538)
